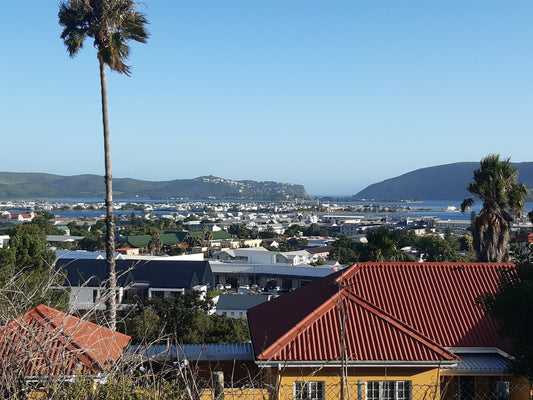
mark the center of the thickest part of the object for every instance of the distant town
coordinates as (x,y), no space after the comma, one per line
(205,283)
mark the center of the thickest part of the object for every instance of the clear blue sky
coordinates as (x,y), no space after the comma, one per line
(334,95)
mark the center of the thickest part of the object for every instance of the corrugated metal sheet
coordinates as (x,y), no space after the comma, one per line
(197,352)
(436,299)
(486,364)
(392,311)
(301,270)
(46,341)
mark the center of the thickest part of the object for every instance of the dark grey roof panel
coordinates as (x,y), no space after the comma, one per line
(240,301)
(160,274)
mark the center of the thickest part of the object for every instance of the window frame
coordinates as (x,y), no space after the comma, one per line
(309,390)
(388,390)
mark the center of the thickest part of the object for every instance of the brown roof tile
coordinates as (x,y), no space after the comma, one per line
(46,341)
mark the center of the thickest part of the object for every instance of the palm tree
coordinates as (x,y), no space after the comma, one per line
(111,24)
(495,183)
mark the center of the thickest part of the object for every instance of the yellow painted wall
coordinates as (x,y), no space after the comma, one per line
(424,381)
(238,394)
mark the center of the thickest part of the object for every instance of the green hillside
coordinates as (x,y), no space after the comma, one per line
(18,185)
(442,182)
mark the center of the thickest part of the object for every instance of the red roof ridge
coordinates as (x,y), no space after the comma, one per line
(402,326)
(302,324)
(464,264)
(429,305)
(332,302)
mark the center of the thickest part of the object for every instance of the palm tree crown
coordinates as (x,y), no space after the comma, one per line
(495,183)
(111,23)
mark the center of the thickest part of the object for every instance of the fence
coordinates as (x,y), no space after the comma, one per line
(467,389)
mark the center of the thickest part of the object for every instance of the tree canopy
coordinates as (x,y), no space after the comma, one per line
(512,306)
(495,184)
(184,318)
(27,272)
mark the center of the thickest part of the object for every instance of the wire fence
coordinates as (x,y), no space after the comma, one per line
(152,387)
(449,389)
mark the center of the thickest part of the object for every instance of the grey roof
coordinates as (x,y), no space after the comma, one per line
(63,238)
(301,270)
(196,352)
(481,364)
(157,274)
(320,249)
(79,254)
(240,301)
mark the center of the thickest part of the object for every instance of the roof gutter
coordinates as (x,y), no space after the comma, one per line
(373,364)
(479,350)
(470,372)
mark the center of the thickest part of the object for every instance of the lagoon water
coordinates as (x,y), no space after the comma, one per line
(419,209)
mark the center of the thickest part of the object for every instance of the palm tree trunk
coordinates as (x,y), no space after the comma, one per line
(110,297)
(490,235)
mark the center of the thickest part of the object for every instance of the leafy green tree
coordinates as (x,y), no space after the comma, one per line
(47,215)
(28,248)
(383,245)
(111,24)
(315,230)
(465,243)
(193,240)
(268,233)
(185,319)
(241,231)
(27,271)
(495,183)
(346,250)
(311,230)
(434,248)
(46,226)
(92,243)
(293,230)
(512,306)
(145,326)
(99,225)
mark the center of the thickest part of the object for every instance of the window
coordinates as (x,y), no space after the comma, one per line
(388,390)
(309,391)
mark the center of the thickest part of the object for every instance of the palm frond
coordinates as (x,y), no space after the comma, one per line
(111,23)
(466,204)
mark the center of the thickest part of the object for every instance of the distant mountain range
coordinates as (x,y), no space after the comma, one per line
(19,185)
(442,182)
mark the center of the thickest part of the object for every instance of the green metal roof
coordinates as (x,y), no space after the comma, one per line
(219,235)
(168,239)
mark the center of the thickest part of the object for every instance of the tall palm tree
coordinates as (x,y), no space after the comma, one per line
(111,24)
(495,183)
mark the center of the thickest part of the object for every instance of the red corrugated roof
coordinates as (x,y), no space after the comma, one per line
(394,311)
(46,341)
